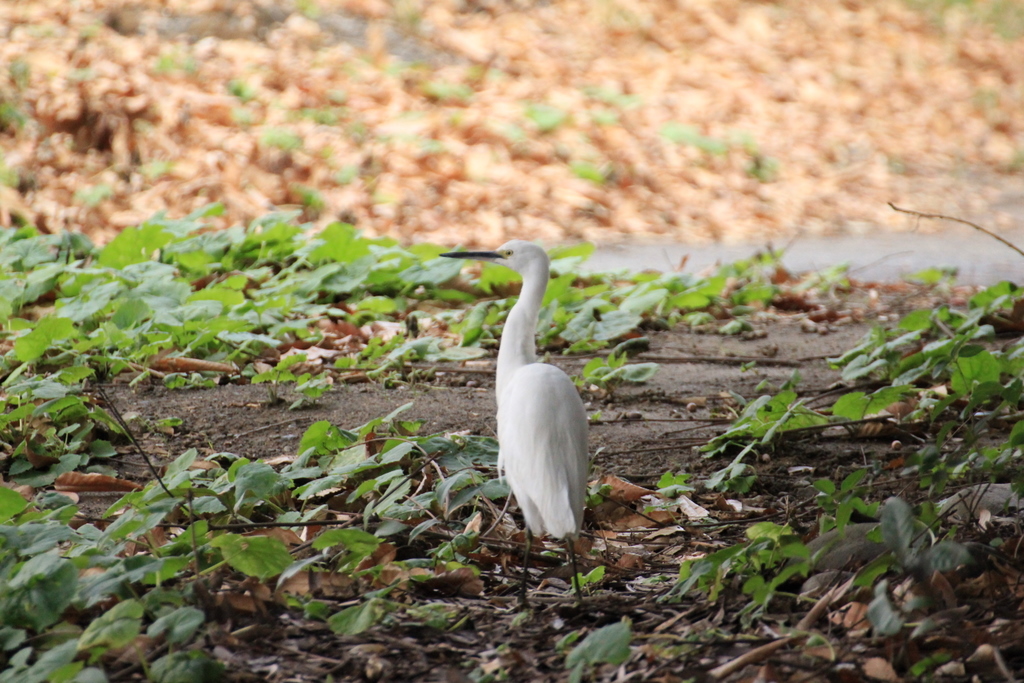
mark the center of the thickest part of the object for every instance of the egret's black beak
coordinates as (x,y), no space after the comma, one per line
(478,255)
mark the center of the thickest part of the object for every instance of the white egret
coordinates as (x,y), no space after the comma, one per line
(542,424)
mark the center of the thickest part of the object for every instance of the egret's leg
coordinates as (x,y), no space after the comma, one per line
(526,568)
(575,574)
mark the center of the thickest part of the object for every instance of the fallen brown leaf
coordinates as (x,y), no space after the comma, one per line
(94,483)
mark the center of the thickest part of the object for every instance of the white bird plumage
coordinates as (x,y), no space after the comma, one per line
(542,424)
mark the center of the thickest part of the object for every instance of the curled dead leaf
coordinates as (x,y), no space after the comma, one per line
(622,490)
(176,364)
(94,483)
(461,582)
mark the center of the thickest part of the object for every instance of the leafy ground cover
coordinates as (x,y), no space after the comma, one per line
(483,121)
(263,454)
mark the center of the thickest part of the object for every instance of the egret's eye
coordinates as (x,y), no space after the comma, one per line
(507,253)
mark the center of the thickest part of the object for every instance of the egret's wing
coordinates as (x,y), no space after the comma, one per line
(542,433)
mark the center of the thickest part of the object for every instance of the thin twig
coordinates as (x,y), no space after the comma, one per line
(722,360)
(240,526)
(977,227)
(131,437)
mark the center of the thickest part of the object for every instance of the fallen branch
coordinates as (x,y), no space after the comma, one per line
(977,227)
(723,360)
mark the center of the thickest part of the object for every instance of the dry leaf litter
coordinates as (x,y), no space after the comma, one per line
(690,122)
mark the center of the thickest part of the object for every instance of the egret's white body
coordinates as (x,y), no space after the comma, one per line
(542,440)
(542,424)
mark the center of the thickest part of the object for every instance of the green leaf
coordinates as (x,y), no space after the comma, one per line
(855,405)
(193,666)
(945,556)
(257,479)
(342,243)
(11,503)
(546,117)
(134,245)
(434,272)
(587,171)
(11,638)
(33,345)
(49,663)
(114,628)
(974,366)
(358,618)
(580,251)
(324,437)
(493,276)
(589,323)
(1017,435)
(131,313)
(635,372)
(608,644)
(259,556)
(883,616)
(355,541)
(688,135)
(41,589)
(897,526)
(180,625)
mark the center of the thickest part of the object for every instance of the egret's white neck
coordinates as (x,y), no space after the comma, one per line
(518,340)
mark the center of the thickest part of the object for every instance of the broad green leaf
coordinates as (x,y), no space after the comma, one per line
(635,372)
(33,345)
(114,628)
(40,591)
(49,663)
(342,244)
(10,638)
(493,276)
(258,479)
(768,530)
(589,323)
(192,666)
(546,117)
(11,503)
(226,296)
(131,313)
(358,618)
(883,616)
(855,405)
(974,366)
(945,556)
(354,540)
(691,301)
(434,272)
(897,526)
(377,304)
(325,438)
(180,625)
(1017,435)
(580,250)
(643,302)
(608,644)
(259,556)
(688,135)
(134,245)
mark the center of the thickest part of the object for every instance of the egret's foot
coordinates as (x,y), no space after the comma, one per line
(526,570)
(575,572)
